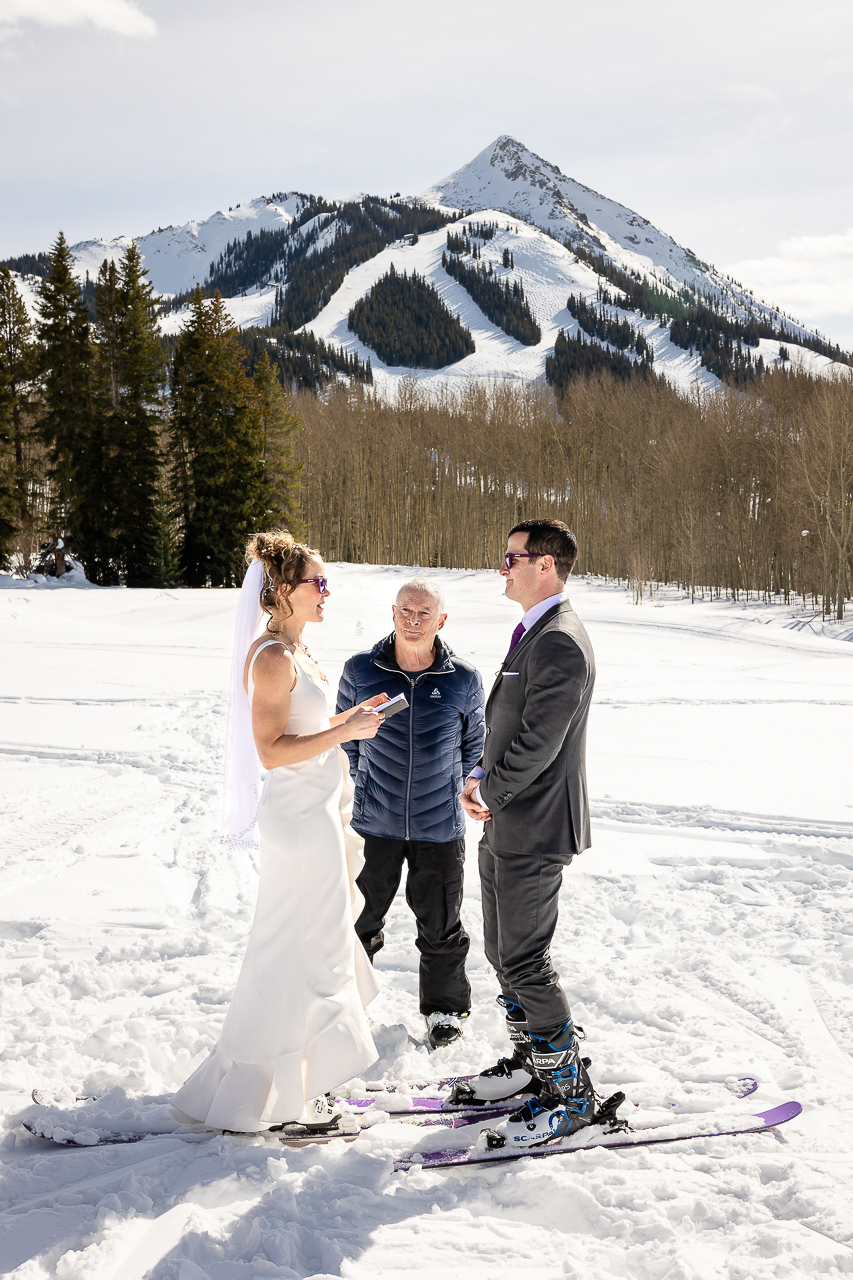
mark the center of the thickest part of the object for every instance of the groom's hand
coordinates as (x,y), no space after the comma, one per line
(468,800)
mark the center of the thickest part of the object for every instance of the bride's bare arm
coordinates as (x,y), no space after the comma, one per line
(274,677)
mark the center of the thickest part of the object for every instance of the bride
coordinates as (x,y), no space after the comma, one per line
(296,1027)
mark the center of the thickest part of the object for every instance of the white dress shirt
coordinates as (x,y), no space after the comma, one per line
(534,613)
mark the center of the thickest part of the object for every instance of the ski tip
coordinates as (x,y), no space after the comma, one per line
(742,1086)
(778,1115)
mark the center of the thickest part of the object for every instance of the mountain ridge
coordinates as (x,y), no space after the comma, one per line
(601,250)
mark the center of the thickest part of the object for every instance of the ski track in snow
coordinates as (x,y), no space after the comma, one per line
(708,933)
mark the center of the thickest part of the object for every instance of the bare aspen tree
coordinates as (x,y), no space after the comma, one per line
(711,492)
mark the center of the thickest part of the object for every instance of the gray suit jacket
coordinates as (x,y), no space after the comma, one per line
(534,759)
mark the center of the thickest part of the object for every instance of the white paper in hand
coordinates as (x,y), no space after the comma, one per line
(396,704)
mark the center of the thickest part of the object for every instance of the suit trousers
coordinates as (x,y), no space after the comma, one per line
(434,894)
(520,901)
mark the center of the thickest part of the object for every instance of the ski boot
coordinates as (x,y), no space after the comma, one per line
(444,1028)
(319,1115)
(508,1076)
(565,1100)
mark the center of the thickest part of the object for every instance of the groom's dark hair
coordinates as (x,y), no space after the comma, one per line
(551,538)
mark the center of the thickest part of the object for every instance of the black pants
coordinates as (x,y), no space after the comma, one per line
(520,900)
(434,893)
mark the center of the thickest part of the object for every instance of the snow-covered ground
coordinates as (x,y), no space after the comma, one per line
(708,932)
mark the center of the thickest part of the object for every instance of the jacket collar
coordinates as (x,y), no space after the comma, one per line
(383,655)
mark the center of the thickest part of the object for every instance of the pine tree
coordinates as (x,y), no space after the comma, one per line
(162,544)
(131,367)
(98,481)
(217,445)
(18,365)
(282,475)
(66,366)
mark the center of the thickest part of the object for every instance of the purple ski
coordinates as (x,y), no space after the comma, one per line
(589,1139)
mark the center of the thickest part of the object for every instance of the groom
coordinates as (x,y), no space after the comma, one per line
(530,790)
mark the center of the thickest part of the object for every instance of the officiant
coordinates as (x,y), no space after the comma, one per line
(408,780)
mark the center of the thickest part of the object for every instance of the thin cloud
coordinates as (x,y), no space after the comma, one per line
(119,16)
(810,276)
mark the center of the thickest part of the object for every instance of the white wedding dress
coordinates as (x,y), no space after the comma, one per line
(296,1027)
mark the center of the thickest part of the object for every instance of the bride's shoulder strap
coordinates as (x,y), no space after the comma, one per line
(266,644)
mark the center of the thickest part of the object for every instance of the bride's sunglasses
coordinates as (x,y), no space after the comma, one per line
(322,583)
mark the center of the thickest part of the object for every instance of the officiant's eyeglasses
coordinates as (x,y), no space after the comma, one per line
(322,583)
(521,555)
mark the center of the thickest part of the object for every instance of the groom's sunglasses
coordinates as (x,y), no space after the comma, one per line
(322,583)
(521,555)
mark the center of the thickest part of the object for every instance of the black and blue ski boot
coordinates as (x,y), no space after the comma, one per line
(565,1101)
(509,1075)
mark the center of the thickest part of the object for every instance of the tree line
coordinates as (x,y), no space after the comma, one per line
(686,308)
(740,493)
(362,229)
(503,303)
(156,483)
(160,476)
(576,357)
(601,324)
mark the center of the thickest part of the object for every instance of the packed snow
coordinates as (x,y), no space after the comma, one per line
(707,934)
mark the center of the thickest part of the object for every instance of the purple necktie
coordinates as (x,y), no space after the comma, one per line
(516,636)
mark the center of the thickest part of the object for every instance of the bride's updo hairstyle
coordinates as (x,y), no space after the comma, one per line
(284,564)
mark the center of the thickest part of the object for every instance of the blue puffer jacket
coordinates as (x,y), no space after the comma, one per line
(409,777)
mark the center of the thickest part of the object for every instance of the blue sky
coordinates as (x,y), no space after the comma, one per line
(727,125)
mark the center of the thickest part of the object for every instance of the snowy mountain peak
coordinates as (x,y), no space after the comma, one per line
(566,240)
(507,175)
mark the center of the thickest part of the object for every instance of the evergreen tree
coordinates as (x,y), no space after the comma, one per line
(162,544)
(217,444)
(575,358)
(282,474)
(504,304)
(66,367)
(99,509)
(406,323)
(130,376)
(18,364)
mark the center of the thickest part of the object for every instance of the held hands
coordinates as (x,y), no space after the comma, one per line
(468,800)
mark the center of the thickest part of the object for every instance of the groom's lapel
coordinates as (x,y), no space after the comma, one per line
(534,631)
(525,639)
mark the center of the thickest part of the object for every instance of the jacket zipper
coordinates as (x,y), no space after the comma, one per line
(411,761)
(412,684)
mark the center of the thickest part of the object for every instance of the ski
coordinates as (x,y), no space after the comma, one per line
(593,1137)
(401,1103)
(415,1099)
(68,1130)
